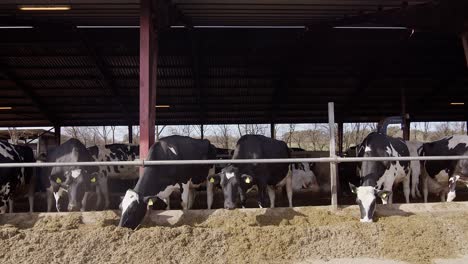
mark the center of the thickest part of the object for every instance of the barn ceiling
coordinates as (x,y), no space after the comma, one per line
(61,73)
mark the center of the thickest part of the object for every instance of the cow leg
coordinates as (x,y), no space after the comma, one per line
(289,190)
(192,195)
(242,197)
(84,202)
(271,194)
(262,189)
(10,205)
(104,188)
(3,209)
(168,202)
(406,188)
(209,194)
(425,189)
(185,195)
(31,202)
(49,198)
(98,197)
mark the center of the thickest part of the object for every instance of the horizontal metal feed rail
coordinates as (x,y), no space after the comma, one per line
(144,163)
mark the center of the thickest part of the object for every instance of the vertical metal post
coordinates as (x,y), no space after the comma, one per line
(148,64)
(272,131)
(202,133)
(57,134)
(130,134)
(333,170)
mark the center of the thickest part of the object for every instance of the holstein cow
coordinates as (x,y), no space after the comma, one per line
(303,177)
(12,179)
(376,175)
(72,182)
(236,179)
(158,182)
(113,152)
(445,173)
(27,187)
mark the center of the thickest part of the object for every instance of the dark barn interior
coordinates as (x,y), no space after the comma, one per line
(58,74)
(232,62)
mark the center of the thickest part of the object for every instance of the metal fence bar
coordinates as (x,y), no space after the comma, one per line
(231,161)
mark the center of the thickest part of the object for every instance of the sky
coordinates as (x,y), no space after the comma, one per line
(121,131)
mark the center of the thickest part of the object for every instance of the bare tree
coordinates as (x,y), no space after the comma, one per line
(251,129)
(113,134)
(102,132)
(222,136)
(185,130)
(289,138)
(159,131)
(426,130)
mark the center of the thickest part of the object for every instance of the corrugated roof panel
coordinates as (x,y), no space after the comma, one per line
(49,61)
(121,61)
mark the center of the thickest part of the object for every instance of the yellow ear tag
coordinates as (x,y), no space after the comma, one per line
(212,180)
(150,202)
(384,195)
(93,179)
(247,180)
(58,180)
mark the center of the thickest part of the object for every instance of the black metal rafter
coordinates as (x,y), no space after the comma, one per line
(104,76)
(29,93)
(195,62)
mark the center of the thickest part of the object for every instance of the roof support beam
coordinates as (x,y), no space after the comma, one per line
(195,61)
(104,76)
(148,72)
(29,93)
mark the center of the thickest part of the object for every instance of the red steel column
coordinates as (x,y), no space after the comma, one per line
(148,64)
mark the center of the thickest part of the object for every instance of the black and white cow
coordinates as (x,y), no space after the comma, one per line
(303,177)
(378,177)
(444,173)
(113,152)
(237,179)
(12,179)
(27,187)
(158,182)
(72,182)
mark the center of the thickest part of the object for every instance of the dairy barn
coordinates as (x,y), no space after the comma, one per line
(149,63)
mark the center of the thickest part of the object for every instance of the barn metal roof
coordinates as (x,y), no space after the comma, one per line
(58,73)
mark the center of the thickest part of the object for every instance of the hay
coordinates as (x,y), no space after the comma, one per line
(240,237)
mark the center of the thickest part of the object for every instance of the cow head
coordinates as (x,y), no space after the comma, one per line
(134,207)
(460,173)
(70,187)
(232,184)
(366,199)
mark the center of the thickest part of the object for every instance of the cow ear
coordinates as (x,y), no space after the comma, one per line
(93,177)
(214,179)
(247,178)
(353,188)
(383,194)
(155,202)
